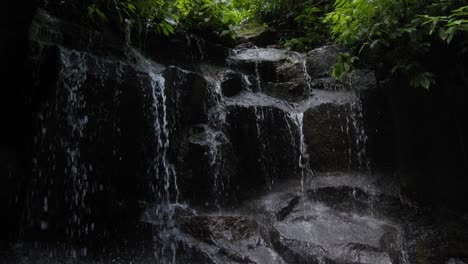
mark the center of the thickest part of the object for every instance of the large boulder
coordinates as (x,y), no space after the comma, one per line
(208,167)
(222,239)
(84,105)
(313,233)
(331,130)
(310,227)
(279,73)
(320,61)
(261,133)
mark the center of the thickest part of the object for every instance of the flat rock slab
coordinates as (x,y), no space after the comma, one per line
(264,54)
(226,239)
(333,236)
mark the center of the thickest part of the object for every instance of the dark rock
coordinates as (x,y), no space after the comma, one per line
(285,211)
(321,60)
(190,98)
(289,91)
(279,73)
(346,198)
(261,158)
(227,239)
(209,167)
(267,64)
(181,49)
(276,205)
(259,36)
(54,31)
(362,80)
(313,233)
(330,133)
(232,85)
(84,105)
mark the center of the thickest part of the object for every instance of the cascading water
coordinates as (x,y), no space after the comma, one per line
(355,126)
(258,82)
(356,118)
(308,79)
(72,76)
(303,160)
(165,189)
(263,151)
(163,169)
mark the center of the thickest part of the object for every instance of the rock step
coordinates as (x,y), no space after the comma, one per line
(293,76)
(285,226)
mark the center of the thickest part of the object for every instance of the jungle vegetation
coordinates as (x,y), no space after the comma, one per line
(400,32)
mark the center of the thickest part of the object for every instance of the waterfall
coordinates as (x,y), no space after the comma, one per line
(263,150)
(303,160)
(165,189)
(163,168)
(257,77)
(308,78)
(72,76)
(355,125)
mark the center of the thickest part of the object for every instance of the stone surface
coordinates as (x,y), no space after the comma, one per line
(271,70)
(321,60)
(232,85)
(331,127)
(209,167)
(224,239)
(261,158)
(84,105)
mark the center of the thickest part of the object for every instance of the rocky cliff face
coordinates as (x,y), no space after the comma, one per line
(181,151)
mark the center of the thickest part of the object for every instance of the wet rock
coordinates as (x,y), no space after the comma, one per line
(289,91)
(232,84)
(261,158)
(346,198)
(328,84)
(54,31)
(321,60)
(314,233)
(268,65)
(363,80)
(455,261)
(190,97)
(209,167)
(228,239)
(84,104)
(329,135)
(259,36)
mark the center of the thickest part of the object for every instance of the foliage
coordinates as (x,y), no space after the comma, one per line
(404,30)
(400,33)
(219,16)
(309,21)
(448,26)
(298,21)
